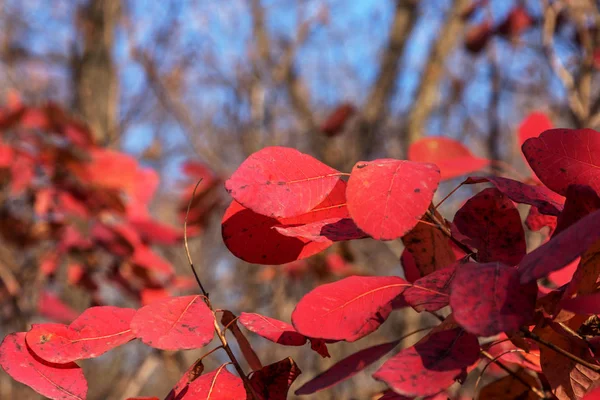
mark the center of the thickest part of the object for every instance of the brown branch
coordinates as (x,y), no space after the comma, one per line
(427,93)
(375,107)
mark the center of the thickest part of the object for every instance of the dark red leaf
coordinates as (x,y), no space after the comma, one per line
(55,381)
(273,381)
(217,385)
(516,22)
(386,197)
(511,387)
(272,329)
(346,368)
(562,157)
(488,299)
(327,230)
(547,201)
(581,201)
(494,226)
(281,182)
(452,157)
(477,36)
(347,309)
(431,365)
(335,122)
(176,323)
(430,250)
(229,320)
(320,347)
(589,304)
(561,249)
(96,331)
(431,292)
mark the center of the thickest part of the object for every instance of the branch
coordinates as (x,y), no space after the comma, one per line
(376,103)
(427,93)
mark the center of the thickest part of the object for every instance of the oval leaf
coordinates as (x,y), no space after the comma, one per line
(96,331)
(431,292)
(347,309)
(272,329)
(488,299)
(346,368)
(562,157)
(176,323)
(452,157)
(281,182)
(273,381)
(217,385)
(55,381)
(386,198)
(431,365)
(494,226)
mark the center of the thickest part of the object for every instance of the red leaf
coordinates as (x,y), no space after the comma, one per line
(252,237)
(561,157)
(431,365)
(386,198)
(535,221)
(593,394)
(516,22)
(55,381)
(327,230)
(511,387)
(177,323)
(320,347)
(494,226)
(563,248)
(429,250)
(541,197)
(110,169)
(156,232)
(146,258)
(335,122)
(217,385)
(431,292)
(589,304)
(477,36)
(51,307)
(532,126)
(181,387)
(6,155)
(581,201)
(272,329)
(96,331)
(281,182)
(347,309)
(346,368)
(452,157)
(273,381)
(488,299)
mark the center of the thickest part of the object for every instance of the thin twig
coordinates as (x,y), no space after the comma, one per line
(185,241)
(552,346)
(495,360)
(447,196)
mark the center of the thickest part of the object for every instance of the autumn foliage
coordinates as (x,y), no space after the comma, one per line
(498,305)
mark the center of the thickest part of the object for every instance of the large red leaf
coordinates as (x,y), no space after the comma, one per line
(452,157)
(488,299)
(346,368)
(547,201)
(563,248)
(96,331)
(494,226)
(55,381)
(430,250)
(175,323)
(431,365)
(192,373)
(327,230)
(386,198)
(281,182)
(561,157)
(347,309)
(273,381)
(431,292)
(110,169)
(217,385)
(272,329)
(253,237)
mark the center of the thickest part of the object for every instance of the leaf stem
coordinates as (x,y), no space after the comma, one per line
(185,241)
(446,231)
(552,346)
